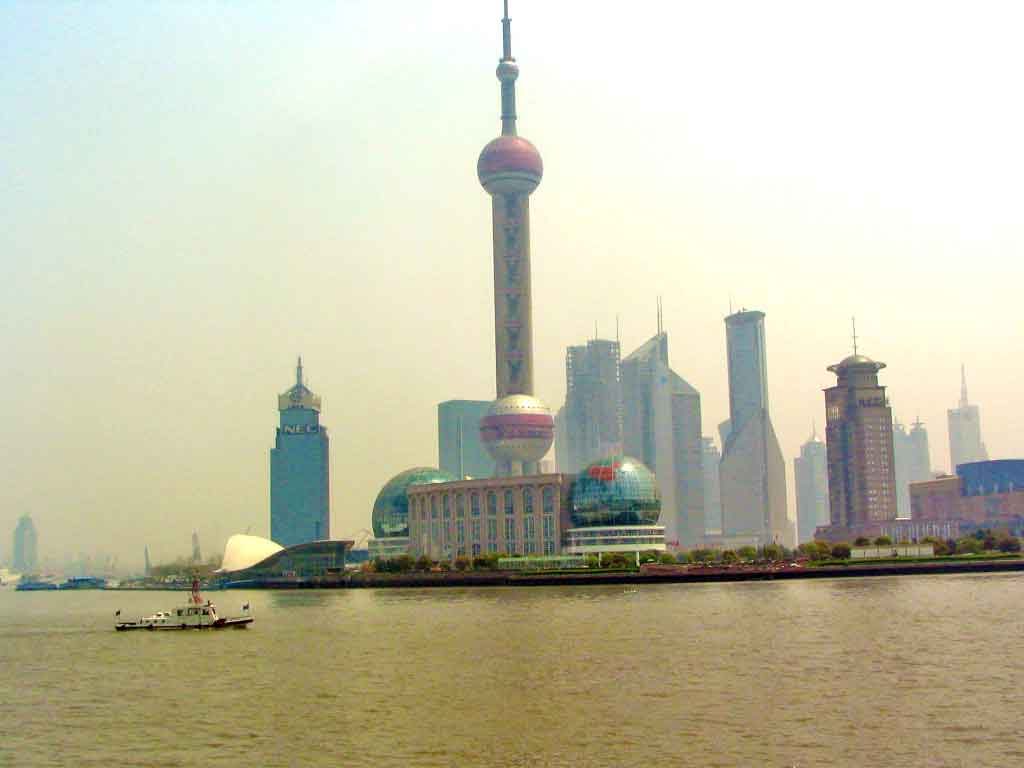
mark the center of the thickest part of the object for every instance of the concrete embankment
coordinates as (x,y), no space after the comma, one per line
(648,575)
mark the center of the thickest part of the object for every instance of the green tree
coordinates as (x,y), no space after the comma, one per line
(840,551)
(592,561)
(747,553)
(404,563)
(969,545)
(682,557)
(424,563)
(883,541)
(667,558)
(938,544)
(461,563)
(861,541)
(989,542)
(773,552)
(649,556)
(702,555)
(1008,543)
(729,557)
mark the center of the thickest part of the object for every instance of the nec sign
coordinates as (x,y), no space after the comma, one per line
(300,429)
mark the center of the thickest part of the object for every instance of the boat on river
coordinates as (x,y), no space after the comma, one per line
(196,614)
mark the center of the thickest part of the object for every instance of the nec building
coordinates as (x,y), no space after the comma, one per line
(300,499)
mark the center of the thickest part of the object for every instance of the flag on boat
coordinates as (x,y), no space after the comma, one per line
(245,607)
(117,612)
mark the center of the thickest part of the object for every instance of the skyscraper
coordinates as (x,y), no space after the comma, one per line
(662,427)
(861,472)
(518,429)
(197,553)
(459,449)
(712,488)
(593,403)
(25,554)
(752,471)
(300,490)
(912,462)
(811,472)
(965,443)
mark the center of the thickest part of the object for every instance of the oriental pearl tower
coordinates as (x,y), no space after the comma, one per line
(518,429)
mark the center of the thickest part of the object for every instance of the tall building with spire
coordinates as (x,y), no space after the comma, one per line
(25,553)
(861,468)
(593,403)
(810,470)
(300,489)
(965,444)
(661,417)
(752,471)
(518,429)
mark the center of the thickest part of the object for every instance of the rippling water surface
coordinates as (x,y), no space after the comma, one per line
(918,671)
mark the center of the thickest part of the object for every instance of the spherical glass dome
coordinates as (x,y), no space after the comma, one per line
(391,509)
(618,490)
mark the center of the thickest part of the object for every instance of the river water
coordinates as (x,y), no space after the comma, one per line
(902,671)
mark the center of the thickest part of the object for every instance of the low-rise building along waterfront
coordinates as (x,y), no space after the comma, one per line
(514,515)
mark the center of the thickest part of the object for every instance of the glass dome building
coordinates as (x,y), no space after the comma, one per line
(615,507)
(391,509)
(618,490)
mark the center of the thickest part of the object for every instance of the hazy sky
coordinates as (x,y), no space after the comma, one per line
(194,193)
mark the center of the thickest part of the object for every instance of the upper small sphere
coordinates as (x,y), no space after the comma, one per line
(507,70)
(618,490)
(517,428)
(391,509)
(509,165)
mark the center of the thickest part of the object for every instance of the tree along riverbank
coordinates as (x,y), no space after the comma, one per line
(648,574)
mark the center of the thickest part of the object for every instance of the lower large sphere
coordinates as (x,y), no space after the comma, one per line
(391,509)
(517,428)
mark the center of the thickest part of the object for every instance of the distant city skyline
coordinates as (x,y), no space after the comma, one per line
(234,187)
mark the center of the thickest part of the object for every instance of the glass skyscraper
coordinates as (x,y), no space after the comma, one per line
(300,489)
(460,451)
(25,556)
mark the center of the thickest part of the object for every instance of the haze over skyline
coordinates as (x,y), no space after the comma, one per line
(197,194)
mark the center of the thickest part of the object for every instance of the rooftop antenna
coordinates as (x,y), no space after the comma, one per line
(507,73)
(617,339)
(595,330)
(963,386)
(814,429)
(660,324)
(730,303)
(298,373)
(854,319)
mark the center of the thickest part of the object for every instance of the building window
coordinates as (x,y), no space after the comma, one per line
(435,532)
(510,535)
(549,528)
(474,504)
(446,533)
(548,496)
(460,533)
(476,550)
(460,505)
(492,533)
(446,507)
(492,503)
(531,547)
(527,501)
(475,530)
(510,501)
(529,529)
(433,507)
(423,508)
(549,547)
(492,546)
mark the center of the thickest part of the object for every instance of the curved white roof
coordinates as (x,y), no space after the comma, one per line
(243,551)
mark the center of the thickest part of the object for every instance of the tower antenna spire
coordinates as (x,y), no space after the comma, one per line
(507,73)
(854,319)
(298,373)
(963,386)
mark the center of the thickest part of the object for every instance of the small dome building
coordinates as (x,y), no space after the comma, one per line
(614,507)
(391,510)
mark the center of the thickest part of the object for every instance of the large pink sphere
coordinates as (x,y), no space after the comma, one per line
(508,165)
(517,428)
